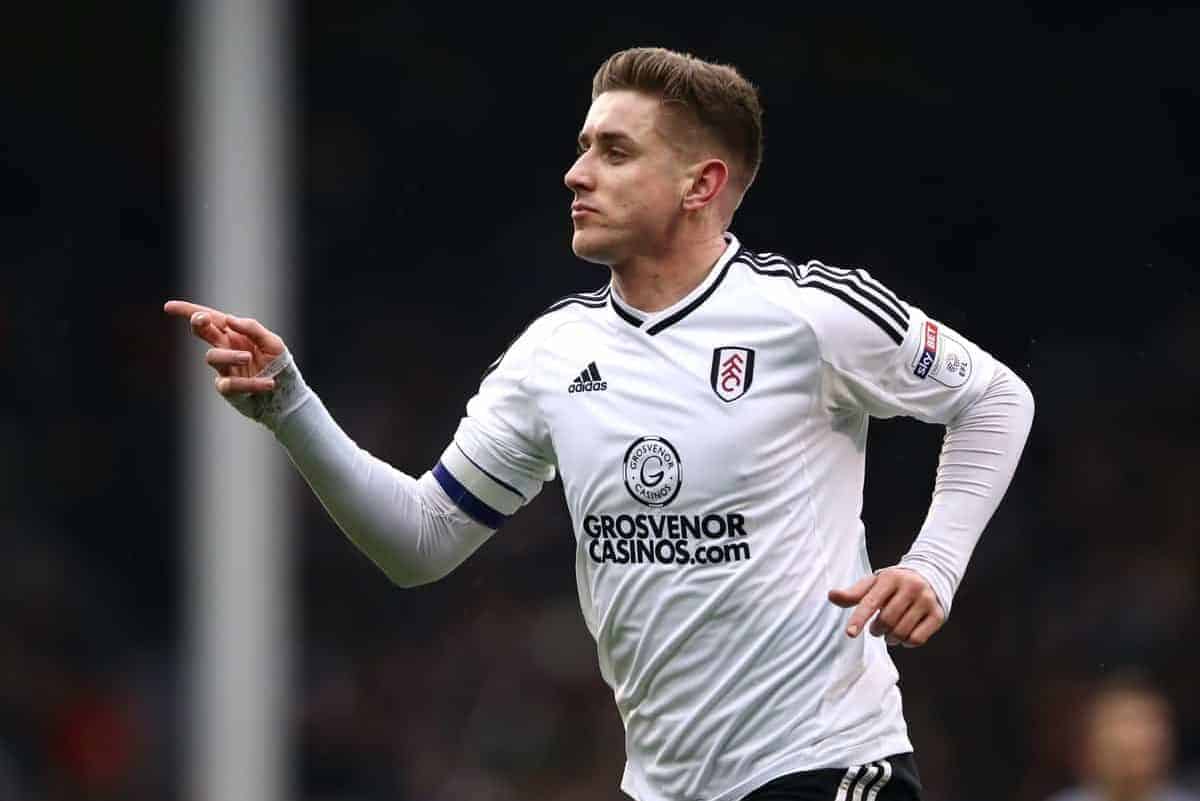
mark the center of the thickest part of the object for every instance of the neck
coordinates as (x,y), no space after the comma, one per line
(1131,791)
(653,282)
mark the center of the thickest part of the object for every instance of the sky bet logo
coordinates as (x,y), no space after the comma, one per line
(927,357)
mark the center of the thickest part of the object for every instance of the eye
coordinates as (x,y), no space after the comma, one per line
(617,156)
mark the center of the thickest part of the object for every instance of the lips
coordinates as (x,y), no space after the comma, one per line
(582,208)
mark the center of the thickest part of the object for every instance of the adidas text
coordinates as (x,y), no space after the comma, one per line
(588,381)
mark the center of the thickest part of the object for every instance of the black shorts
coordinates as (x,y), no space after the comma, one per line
(894,778)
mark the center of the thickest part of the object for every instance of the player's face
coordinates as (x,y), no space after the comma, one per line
(628,181)
(1130,741)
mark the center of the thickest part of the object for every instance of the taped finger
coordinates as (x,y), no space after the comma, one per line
(226,357)
(233,385)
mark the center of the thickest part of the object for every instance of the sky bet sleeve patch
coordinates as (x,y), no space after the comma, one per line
(942,358)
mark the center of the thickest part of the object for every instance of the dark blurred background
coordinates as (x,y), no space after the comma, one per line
(1031,178)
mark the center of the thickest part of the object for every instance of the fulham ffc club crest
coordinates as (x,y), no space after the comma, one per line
(732,372)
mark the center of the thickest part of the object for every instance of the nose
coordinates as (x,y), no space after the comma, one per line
(578,178)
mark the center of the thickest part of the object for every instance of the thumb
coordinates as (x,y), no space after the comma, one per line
(257,333)
(851,596)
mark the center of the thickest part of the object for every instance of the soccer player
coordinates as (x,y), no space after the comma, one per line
(1127,745)
(707,412)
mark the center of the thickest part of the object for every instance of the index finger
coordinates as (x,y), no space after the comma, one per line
(871,603)
(207,323)
(183,308)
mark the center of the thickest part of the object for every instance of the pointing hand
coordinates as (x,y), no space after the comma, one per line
(909,611)
(241,346)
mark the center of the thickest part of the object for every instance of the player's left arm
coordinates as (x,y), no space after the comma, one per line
(979,456)
(937,375)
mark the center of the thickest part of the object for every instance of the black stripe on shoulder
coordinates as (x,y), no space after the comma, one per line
(867,281)
(852,300)
(862,286)
(596,299)
(818,270)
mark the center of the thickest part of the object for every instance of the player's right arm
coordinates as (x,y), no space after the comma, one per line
(415,529)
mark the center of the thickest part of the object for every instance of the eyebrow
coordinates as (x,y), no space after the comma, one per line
(611,138)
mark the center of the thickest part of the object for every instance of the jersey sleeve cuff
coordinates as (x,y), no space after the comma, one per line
(484,496)
(272,408)
(940,584)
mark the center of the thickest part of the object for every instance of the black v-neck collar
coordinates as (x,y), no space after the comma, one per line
(664,318)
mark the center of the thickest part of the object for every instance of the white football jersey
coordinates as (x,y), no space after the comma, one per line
(712,455)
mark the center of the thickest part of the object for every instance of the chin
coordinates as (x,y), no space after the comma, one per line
(590,246)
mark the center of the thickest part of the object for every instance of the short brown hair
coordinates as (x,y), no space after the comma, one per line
(716,96)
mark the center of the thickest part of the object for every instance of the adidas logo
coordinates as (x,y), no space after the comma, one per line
(588,381)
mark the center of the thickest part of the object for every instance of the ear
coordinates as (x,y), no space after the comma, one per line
(707,179)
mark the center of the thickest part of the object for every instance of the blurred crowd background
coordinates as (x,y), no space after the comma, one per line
(1030,178)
